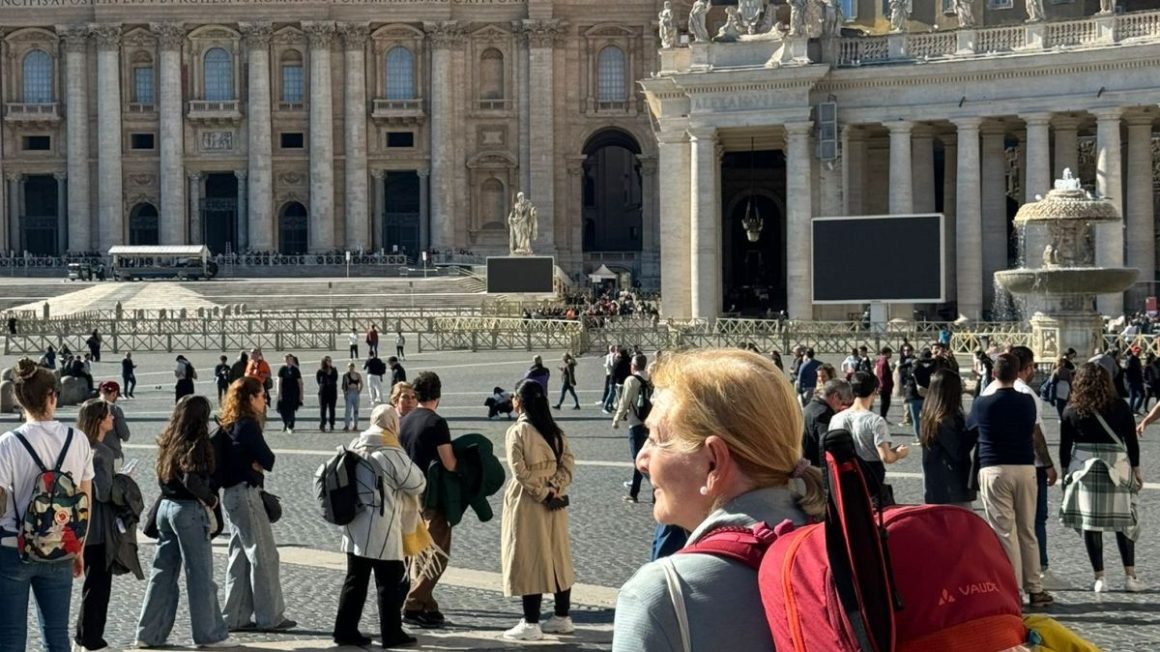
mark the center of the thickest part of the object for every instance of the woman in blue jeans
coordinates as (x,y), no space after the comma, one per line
(185,523)
(50,582)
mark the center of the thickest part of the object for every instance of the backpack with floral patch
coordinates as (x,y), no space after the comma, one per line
(53,526)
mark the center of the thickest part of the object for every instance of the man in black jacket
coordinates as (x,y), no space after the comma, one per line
(836,396)
(375,368)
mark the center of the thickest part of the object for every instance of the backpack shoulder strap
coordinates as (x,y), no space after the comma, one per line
(64,450)
(31,452)
(741,544)
(677,596)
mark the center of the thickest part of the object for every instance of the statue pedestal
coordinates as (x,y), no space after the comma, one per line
(520,274)
(1053,335)
(966,40)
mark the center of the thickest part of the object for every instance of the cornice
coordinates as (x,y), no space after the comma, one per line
(444,34)
(319,33)
(108,35)
(170,36)
(256,35)
(354,35)
(75,38)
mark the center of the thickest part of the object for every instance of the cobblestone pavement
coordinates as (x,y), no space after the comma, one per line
(610,538)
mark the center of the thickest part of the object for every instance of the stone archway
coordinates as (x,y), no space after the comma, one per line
(612,201)
(293,229)
(144,229)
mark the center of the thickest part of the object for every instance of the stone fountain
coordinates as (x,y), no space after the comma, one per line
(1066,283)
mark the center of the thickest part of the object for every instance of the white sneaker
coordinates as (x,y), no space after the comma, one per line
(225,643)
(289,431)
(524,632)
(1101,585)
(1131,584)
(1052,583)
(558,625)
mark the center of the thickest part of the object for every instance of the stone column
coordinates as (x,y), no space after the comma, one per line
(968,220)
(994,191)
(1109,185)
(321,235)
(1139,211)
(443,36)
(61,212)
(424,209)
(259,219)
(243,224)
(171,148)
(922,170)
(110,195)
(195,235)
(1066,145)
(705,224)
(15,242)
(901,175)
(354,40)
(649,247)
(377,243)
(854,160)
(1038,155)
(523,102)
(541,129)
(76,40)
(950,209)
(799,212)
(674,164)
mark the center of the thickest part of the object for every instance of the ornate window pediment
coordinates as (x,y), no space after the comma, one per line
(609,29)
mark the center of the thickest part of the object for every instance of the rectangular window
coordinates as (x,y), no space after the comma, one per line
(1000,4)
(141,141)
(948,7)
(37,143)
(292,140)
(292,86)
(849,9)
(400,139)
(143,85)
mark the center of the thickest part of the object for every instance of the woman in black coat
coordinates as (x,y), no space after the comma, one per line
(946,443)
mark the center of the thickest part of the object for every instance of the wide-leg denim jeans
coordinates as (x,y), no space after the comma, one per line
(51,583)
(253,586)
(184,541)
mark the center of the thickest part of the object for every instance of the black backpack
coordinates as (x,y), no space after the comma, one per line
(643,406)
(337,488)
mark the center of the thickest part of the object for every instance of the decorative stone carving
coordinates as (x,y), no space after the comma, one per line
(832,18)
(1035,11)
(522,226)
(139,38)
(749,11)
(74,37)
(256,35)
(292,179)
(1107,6)
(142,179)
(319,33)
(965,12)
(900,15)
(543,33)
(697,21)
(797,17)
(445,34)
(667,26)
(730,32)
(108,36)
(170,36)
(1156,163)
(354,35)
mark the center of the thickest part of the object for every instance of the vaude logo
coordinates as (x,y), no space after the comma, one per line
(966,590)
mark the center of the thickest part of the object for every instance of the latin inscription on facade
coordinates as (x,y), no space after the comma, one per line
(217,141)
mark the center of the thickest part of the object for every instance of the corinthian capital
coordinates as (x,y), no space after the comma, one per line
(542,33)
(256,35)
(354,35)
(108,35)
(75,38)
(444,34)
(319,33)
(169,35)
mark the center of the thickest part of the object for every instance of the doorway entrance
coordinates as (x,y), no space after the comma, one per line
(753,273)
(38,224)
(219,212)
(143,228)
(401,213)
(293,229)
(612,202)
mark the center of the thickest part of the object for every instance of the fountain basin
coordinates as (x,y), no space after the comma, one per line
(1067,281)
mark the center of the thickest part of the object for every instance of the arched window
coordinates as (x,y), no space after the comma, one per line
(400,74)
(611,78)
(37,77)
(494,204)
(491,75)
(143,79)
(219,75)
(293,229)
(293,88)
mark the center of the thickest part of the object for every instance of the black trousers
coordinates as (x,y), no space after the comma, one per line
(883,404)
(399,353)
(130,385)
(326,403)
(354,352)
(289,412)
(1093,540)
(94,599)
(388,576)
(532,604)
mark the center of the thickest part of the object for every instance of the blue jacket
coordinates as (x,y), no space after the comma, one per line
(808,375)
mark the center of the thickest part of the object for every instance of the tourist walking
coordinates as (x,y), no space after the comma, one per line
(807,377)
(37,444)
(724,449)
(398,373)
(539,373)
(95,422)
(835,396)
(870,431)
(375,369)
(885,374)
(568,381)
(94,344)
(253,588)
(1099,449)
(1005,420)
(1151,379)
(946,443)
(327,379)
(221,376)
(609,363)
(427,440)
(400,344)
(535,551)
(1061,377)
(110,391)
(290,393)
(185,525)
(373,341)
(258,368)
(621,368)
(352,385)
(353,341)
(403,399)
(388,486)
(129,374)
(1134,375)
(626,410)
(238,368)
(185,374)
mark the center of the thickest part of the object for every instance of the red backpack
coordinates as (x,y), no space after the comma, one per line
(831,586)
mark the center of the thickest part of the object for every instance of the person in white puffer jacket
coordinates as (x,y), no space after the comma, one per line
(373,541)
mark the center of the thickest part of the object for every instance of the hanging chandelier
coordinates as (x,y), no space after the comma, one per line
(752,222)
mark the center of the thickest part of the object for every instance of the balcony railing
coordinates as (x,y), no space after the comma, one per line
(289,107)
(401,111)
(493,105)
(214,110)
(32,112)
(141,107)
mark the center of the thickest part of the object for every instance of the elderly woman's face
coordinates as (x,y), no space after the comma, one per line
(676,476)
(407,401)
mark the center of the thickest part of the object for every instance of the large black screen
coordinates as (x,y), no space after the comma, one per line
(888,258)
(515,274)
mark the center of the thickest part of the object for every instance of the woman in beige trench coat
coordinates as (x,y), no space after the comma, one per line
(536,554)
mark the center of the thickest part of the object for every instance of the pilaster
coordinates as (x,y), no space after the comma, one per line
(259,218)
(675,168)
(443,36)
(1109,185)
(170,37)
(968,220)
(799,213)
(110,193)
(76,47)
(354,39)
(320,34)
(1139,210)
(901,174)
(542,35)
(994,191)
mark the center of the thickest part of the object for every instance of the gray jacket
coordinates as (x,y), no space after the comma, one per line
(720,595)
(119,433)
(626,409)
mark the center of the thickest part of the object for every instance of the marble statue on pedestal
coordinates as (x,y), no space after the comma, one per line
(1035,11)
(522,226)
(667,26)
(1107,6)
(832,18)
(966,13)
(797,17)
(730,32)
(749,11)
(899,15)
(697,21)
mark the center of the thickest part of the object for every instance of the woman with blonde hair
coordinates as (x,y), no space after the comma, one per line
(724,448)
(404,399)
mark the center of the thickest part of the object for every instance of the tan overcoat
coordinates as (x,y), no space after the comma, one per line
(535,550)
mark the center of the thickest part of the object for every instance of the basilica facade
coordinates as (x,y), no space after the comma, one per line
(968,109)
(326,125)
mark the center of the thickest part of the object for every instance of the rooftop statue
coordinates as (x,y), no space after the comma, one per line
(667,25)
(966,13)
(697,21)
(1107,6)
(899,15)
(730,32)
(1035,11)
